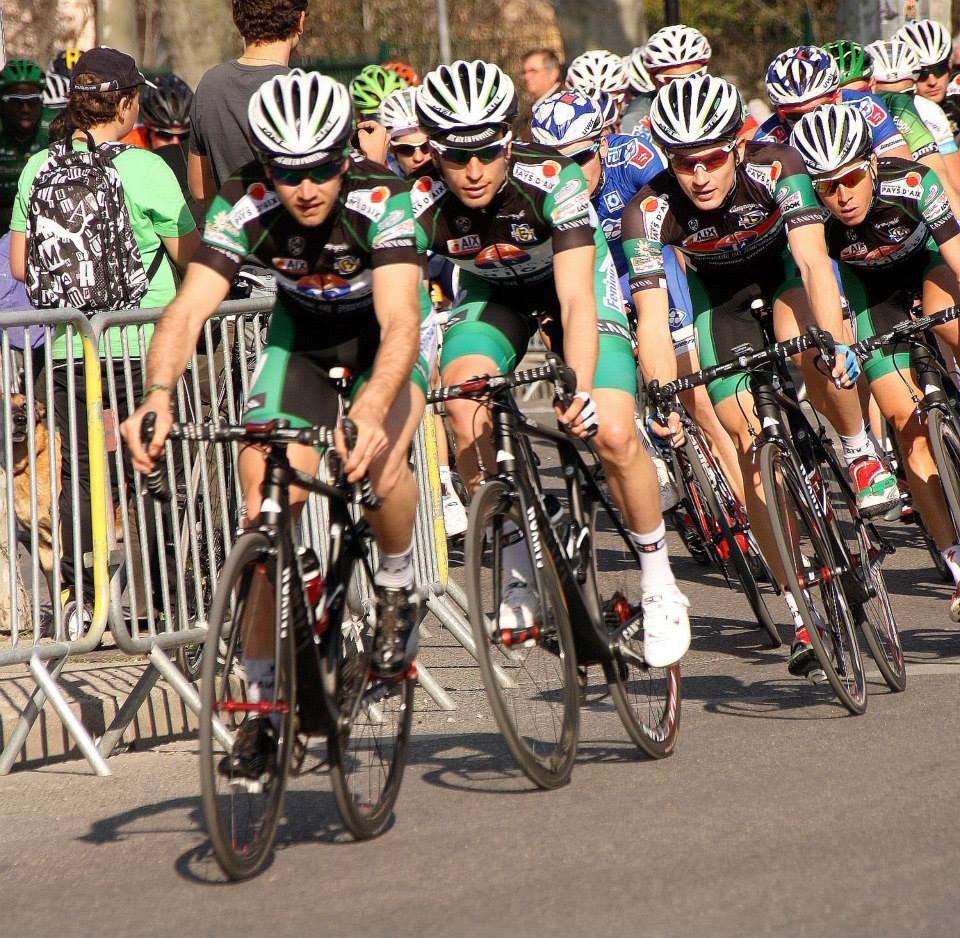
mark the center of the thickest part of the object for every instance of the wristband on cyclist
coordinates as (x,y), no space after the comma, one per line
(150,388)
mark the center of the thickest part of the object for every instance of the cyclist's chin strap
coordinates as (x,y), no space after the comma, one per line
(737,163)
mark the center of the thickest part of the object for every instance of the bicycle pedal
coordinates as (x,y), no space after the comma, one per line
(246,786)
(525,637)
(816,676)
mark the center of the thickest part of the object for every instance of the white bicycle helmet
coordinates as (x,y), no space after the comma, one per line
(609,108)
(694,112)
(596,71)
(300,119)
(398,112)
(893,60)
(801,74)
(56,91)
(830,136)
(637,74)
(675,45)
(457,101)
(928,38)
(567,117)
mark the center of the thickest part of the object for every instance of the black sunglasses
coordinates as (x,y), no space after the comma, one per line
(937,71)
(170,134)
(409,149)
(319,174)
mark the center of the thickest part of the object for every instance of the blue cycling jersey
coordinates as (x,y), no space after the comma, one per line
(884,131)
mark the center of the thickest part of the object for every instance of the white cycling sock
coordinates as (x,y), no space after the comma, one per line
(951,557)
(654,560)
(261,677)
(395,570)
(857,446)
(794,610)
(516,558)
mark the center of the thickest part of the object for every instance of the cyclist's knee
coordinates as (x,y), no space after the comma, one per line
(617,441)
(389,472)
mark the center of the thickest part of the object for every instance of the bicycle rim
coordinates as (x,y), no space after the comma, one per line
(241,815)
(532,682)
(368,746)
(800,532)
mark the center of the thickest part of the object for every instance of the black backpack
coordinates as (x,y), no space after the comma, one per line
(81,251)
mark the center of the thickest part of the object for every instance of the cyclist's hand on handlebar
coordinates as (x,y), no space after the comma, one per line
(371,441)
(672,432)
(580,419)
(159,403)
(846,367)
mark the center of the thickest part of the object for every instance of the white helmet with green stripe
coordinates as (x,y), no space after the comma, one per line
(893,60)
(830,136)
(465,95)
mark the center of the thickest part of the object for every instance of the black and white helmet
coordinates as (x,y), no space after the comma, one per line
(597,70)
(466,96)
(893,60)
(675,45)
(637,74)
(694,111)
(56,91)
(301,119)
(928,38)
(830,136)
(398,111)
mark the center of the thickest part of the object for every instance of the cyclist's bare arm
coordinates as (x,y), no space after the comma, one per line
(173,343)
(18,255)
(200,179)
(181,249)
(655,347)
(573,274)
(396,300)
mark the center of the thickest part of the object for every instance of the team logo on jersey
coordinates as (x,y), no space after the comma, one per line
(459,247)
(295,266)
(426,190)
(693,224)
(296,245)
(394,235)
(704,234)
(572,207)
(545,175)
(767,176)
(898,233)
(371,203)
(654,211)
(749,215)
(462,224)
(346,265)
(257,201)
(791,202)
(776,134)
(613,201)
(853,251)
(871,111)
(644,261)
(611,228)
(323,287)
(499,256)
(907,186)
(394,218)
(641,156)
(524,234)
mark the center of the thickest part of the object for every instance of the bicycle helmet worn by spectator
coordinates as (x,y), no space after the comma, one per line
(407,72)
(371,86)
(596,71)
(637,75)
(300,119)
(567,117)
(893,60)
(853,61)
(56,91)
(675,45)
(62,64)
(801,74)
(466,103)
(398,112)
(694,112)
(929,39)
(21,71)
(830,136)
(167,106)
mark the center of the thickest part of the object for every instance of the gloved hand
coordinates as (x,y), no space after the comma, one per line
(846,368)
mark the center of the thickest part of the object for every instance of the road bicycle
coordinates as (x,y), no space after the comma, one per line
(586,578)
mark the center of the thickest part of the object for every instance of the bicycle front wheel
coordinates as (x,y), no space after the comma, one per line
(530,676)
(804,543)
(241,809)
(945,444)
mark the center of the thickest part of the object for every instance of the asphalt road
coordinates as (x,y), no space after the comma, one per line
(779,814)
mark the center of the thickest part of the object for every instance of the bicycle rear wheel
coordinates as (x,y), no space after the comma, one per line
(368,745)
(804,544)
(531,677)
(945,444)
(241,813)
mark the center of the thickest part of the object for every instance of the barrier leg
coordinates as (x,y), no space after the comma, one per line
(68,718)
(171,674)
(28,717)
(432,686)
(456,593)
(125,715)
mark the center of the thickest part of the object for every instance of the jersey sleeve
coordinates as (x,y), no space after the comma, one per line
(935,209)
(392,238)
(794,195)
(771,131)
(568,211)
(226,238)
(938,125)
(911,126)
(884,131)
(647,224)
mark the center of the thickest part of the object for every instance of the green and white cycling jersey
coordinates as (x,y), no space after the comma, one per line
(937,123)
(906,116)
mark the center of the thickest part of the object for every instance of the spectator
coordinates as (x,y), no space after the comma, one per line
(542,77)
(219,143)
(103,106)
(21,131)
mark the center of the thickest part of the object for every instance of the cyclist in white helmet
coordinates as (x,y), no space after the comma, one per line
(408,149)
(676,52)
(338,234)
(641,91)
(598,70)
(930,41)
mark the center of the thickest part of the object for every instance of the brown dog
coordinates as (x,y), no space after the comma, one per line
(21,470)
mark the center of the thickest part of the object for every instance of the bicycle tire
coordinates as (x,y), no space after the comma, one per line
(945,444)
(542,670)
(808,560)
(939,564)
(741,564)
(241,820)
(368,743)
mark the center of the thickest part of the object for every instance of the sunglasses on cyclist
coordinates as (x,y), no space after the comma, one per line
(319,174)
(32,97)
(170,135)
(852,177)
(666,77)
(409,149)
(582,157)
(936,71)
(687,165)
(460,156)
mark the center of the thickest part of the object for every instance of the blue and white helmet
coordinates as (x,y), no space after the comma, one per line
(567,117)
(801,74)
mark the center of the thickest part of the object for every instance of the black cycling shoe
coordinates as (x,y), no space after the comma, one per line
(254,751)
(395,641)
(803,661)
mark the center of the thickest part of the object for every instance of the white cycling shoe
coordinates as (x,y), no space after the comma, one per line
(518,606)
(666,625)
